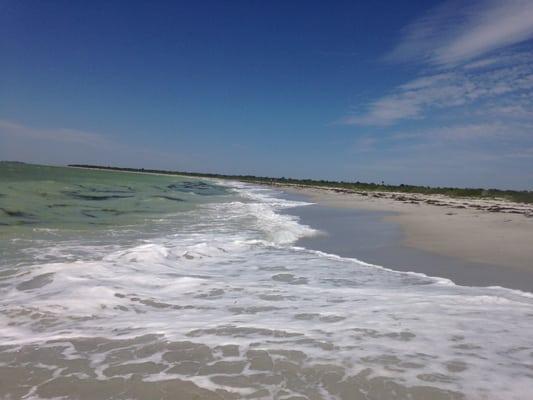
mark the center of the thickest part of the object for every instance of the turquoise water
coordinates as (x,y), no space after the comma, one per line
(54,197)
(45,206)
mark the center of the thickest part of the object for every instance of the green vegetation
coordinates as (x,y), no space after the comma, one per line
(511,195)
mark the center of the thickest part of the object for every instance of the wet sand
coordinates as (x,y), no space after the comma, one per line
(361,229)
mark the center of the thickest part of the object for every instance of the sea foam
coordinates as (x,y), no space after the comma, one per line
(228,303)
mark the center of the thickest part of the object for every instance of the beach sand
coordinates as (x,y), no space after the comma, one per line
(472,242)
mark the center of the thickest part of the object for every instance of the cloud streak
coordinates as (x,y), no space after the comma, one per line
(452,42)
(10,129)
(496,79)
(459,31)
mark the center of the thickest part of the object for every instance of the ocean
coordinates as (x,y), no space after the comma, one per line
(119,285)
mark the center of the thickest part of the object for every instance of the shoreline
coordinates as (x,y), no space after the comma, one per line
(469,244)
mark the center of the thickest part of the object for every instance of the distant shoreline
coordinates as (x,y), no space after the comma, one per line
(124,170)
(348,187)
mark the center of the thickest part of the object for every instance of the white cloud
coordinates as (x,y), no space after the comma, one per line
(451,39)
(501,79)
(409,101)
(460,31)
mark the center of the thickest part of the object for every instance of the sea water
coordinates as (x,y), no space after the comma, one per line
(136,286)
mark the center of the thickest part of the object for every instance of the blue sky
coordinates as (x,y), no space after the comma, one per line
(429,92)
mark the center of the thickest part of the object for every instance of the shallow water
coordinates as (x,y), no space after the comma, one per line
(368,236)
(209,298)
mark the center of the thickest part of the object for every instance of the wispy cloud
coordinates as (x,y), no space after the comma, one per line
(468,116)
(469,132)
(64,146)
(452,43)
(496,78)
(458,31)
(10,129)
(410,100)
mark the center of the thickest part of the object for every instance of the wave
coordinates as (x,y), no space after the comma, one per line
(230,291)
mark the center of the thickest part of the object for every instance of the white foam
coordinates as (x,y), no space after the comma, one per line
(231,275)
(265,207)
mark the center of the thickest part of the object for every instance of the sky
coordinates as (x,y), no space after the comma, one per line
(433,93)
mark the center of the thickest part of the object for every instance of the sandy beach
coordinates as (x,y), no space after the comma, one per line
(493,237)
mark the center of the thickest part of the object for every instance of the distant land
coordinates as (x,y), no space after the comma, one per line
(519,196)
